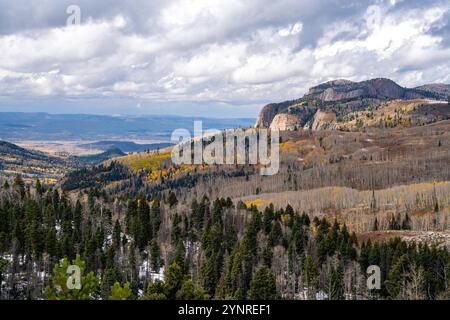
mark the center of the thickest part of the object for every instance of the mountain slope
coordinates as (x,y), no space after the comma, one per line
(49,168)
(31,164)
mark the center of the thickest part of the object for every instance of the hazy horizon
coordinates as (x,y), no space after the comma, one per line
(137,115)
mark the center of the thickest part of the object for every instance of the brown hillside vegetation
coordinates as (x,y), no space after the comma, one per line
(382,173)
(358,209)
(397,113)
(375,159)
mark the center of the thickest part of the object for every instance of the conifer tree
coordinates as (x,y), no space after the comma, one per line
(155,259)
(77,221)
(335,283)
(172,199)
(217,212)
(59,289)
(156,291)
(155,216)
(3,266)
(173,280)
(310,273)
(143,228)
(396,277)
(189,291)
(375,225)
(267,256)
(116,235)
(176,229)
(51,243)
(276,234)
(109,278)
(406,224)
(39,189)
(262,286)
(120,293)
(179,257)
(267,219)
(19,185)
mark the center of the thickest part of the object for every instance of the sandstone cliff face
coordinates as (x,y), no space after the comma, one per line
(323,120)
(285,122)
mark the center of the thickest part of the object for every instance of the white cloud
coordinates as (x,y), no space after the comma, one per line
(233,51)
(291,30)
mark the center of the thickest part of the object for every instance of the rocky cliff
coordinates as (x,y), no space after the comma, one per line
(323,120)
(342,97)
(269,111)
(285,122)
(345,90)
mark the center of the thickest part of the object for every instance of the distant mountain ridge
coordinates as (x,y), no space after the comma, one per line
(344,96)
(98,158)
(125,146)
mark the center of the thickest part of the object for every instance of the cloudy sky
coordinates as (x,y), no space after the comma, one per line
(208,57)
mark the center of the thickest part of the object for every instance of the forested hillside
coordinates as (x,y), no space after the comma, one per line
(140,249)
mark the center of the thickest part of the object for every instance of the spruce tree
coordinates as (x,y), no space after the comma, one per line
(109,278)
(173,280)
(172,199)
(262,286)
(77,222)
(180,257)
(155,259)
(176,229)
(39,189)
(310,274)
(267,219)
(155,216)
(267,257)
(395,278)
(116,235)
(375,225)
(334,284)
(19,185)
(217,212)
(276,234)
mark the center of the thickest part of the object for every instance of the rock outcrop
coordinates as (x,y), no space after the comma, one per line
(323,120)
(266,116)
(285,122)
(269,112)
